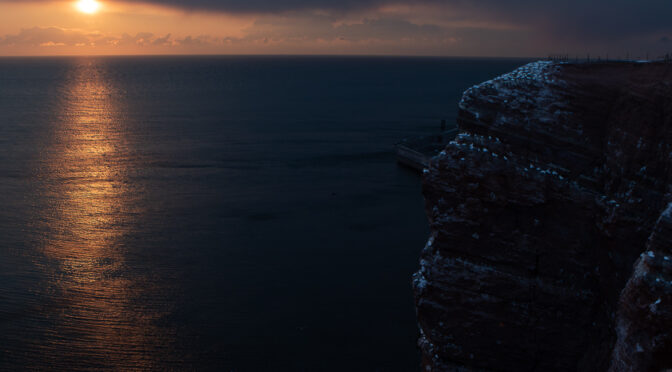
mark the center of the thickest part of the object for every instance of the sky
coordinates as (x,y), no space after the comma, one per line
(487,28)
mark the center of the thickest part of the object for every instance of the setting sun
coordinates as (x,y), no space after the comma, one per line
(88,6)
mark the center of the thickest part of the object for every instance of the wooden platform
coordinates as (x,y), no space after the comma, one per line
(415,153)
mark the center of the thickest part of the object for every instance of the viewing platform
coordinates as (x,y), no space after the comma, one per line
(416,152)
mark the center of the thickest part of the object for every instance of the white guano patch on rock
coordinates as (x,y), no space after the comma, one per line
(537,76)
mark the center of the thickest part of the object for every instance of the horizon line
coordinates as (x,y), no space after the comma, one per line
(353,55)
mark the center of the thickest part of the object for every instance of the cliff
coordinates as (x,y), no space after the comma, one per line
(551,231)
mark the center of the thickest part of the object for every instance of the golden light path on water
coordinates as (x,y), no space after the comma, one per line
(101,315)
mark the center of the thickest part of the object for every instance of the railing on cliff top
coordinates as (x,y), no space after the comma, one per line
(415,152)
(588,58)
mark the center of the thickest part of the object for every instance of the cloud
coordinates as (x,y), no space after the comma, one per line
(162,41)
(594,20)
(453,27)
(47,36)
(256,6)
(63,37)
(271,6)
(301,26)
(388,29)
(295,33)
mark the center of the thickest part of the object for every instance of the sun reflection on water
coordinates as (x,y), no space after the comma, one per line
(101,316)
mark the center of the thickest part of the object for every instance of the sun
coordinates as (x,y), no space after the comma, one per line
(88,6)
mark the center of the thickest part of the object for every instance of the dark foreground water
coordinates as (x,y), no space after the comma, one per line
(236,214)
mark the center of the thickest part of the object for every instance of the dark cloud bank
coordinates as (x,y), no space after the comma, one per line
(590,21)
(597,19)
(539,26)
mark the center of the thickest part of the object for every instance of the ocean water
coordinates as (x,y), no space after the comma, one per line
(215,213)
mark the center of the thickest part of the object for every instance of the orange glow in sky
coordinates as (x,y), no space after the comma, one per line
(88,6)
(143,27)
(396,27)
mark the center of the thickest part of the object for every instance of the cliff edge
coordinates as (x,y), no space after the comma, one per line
(551,224)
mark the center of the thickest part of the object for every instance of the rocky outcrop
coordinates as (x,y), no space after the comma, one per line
(559,180)
(644,324)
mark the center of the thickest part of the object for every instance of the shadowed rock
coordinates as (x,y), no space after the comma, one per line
(538,211)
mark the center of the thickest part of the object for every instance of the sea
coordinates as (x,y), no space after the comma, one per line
(220,213)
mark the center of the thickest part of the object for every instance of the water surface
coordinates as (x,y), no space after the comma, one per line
(215,213)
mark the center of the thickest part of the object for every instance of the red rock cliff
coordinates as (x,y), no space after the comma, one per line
(551,238)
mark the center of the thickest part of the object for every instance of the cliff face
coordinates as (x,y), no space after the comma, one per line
(558,183)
